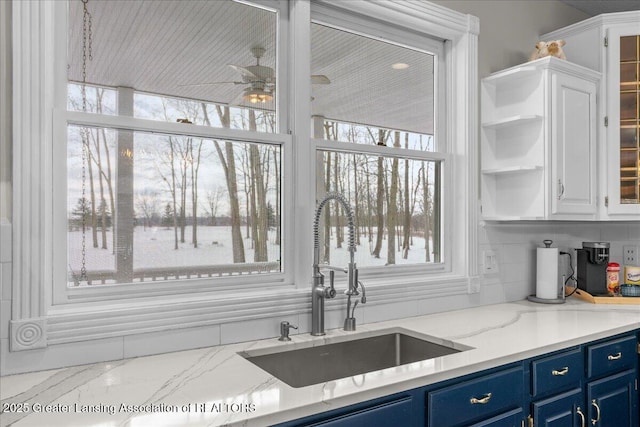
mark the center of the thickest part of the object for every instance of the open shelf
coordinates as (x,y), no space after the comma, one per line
(511,121)
(511,170)
(512,218)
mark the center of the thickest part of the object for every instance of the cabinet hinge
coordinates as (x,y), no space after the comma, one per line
(638,347)
(606,121)
(606,201)
(606,42)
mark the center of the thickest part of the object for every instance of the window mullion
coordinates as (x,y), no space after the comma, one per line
(349,147)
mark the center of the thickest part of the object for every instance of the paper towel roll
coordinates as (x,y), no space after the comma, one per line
(547,273)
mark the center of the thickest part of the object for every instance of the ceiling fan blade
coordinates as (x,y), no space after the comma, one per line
(211,83)
(320,79)
(246,74)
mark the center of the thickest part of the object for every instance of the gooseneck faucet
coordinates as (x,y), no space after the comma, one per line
(319,291)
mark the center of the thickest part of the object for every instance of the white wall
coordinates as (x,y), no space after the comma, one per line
(508,32)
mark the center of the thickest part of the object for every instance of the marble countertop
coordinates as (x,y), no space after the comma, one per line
(215,386)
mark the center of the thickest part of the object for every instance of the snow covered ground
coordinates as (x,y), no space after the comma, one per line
(154,248)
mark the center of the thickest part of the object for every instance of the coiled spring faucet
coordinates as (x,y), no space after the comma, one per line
(319,291)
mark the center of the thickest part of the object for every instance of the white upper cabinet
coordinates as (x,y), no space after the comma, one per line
(610,44)
(538,142)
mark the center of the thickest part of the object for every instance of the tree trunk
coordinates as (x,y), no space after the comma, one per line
(229,166)
(356,200)
(107,176)
(277,213)
(195,168)
(392,209)
(339,210)
(380,199)
(406,228)
(173,193)
(103,202)
(92,191)
(427,222)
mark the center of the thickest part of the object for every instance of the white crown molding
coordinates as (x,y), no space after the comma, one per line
(422,16)
(596,22)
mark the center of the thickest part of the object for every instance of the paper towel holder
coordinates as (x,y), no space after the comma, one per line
(560,300)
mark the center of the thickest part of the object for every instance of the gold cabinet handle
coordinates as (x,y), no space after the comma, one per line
(561,372)
(579,412)
(483,400)
(616,356)
(595,405)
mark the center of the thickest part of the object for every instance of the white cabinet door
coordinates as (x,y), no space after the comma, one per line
(573,147)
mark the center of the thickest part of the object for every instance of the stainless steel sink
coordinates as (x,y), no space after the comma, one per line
(299,367)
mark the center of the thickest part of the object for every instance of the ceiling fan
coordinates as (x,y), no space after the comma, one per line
(259,79)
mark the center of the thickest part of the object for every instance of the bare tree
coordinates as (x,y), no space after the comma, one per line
(148,206)
(213,204)
(380,195)
(195,155)
(227,159)
(392,208)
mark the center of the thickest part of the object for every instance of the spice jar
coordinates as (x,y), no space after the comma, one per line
(613,279)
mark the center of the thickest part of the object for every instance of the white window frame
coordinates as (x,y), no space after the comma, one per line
(327,16)
(40,318)
(458,67)
(63,294)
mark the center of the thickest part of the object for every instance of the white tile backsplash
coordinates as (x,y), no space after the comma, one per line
(174,340)
(61,355)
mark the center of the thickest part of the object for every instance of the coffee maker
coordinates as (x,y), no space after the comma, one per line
(593,258)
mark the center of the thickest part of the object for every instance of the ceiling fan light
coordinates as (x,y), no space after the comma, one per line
(255,96)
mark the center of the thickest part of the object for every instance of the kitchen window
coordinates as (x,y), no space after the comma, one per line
(379,144)
(157,191)
(156,83)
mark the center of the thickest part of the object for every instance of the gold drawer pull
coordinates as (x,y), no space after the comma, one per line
(595,420)
(615,356)
(482,400)
(579,412)
(561,372)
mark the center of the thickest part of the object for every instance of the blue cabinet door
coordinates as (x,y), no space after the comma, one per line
(613,401)
(512,418)
(396,413)
(563,410)
(377,413)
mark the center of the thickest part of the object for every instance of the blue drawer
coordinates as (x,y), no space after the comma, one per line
(477,399)
(611,356)
(397,412)
(556,373)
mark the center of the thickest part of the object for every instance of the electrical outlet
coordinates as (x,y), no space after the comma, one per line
(489,262)
(630,255)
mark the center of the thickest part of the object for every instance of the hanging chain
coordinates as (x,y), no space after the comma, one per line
(86,54)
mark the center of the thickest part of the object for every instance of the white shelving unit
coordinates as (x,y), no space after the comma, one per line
(536,119)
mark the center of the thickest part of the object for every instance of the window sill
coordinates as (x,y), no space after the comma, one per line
(99,320)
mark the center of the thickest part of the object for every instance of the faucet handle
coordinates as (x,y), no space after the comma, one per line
(330,292)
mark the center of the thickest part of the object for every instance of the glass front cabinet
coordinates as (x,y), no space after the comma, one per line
(610,43)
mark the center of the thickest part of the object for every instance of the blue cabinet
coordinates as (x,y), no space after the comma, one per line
(563,410)
(594,385)
(393,410)
(613,401)
(611,391)
(477,399)
(387,414)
